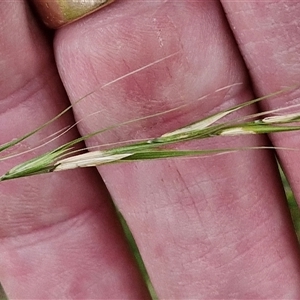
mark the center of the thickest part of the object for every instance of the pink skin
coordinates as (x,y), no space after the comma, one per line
(214,227)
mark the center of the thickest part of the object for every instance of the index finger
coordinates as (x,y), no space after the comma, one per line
(60,237)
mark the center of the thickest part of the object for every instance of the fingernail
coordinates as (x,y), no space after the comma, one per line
(57,13)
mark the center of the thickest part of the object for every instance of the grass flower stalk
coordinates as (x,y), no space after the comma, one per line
(65,157)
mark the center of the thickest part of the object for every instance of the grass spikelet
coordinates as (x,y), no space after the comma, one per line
(65,157)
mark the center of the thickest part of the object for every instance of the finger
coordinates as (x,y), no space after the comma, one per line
(269,39)
(214,226)
(60,237)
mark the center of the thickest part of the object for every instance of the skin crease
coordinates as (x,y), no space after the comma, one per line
(209,228)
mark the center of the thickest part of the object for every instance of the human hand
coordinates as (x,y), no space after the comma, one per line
(213,227)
